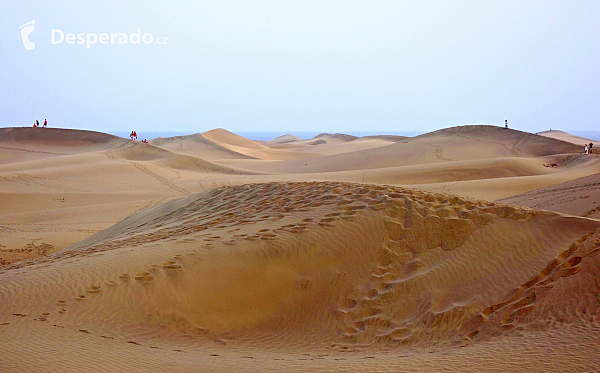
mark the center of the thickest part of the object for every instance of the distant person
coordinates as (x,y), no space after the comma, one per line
(34,125)
(590,148)
(131,135)
(45,122)
(145,141)
(585,149)
(37,123)
(505,123)
(134,135)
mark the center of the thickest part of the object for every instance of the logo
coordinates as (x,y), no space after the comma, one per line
(88,39)
(27,29)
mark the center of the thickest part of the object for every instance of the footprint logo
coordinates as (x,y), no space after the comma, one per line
(27,29)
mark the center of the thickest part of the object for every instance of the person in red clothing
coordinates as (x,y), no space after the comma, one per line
(134,135)
(45,122)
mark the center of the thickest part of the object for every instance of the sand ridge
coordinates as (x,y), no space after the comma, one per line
(564,136)
(336,266)
(576,197)
(51,179)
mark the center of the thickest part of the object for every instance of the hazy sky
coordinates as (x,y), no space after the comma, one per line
(323,66)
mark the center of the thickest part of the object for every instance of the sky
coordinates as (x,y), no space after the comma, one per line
(322,66)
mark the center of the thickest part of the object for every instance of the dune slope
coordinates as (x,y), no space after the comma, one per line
(564,136)
(465,143)
(59,186)
(322,270)
(198,145)
(27,144)
(576,197)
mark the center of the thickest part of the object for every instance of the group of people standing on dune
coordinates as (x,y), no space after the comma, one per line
(37,123)
(587,148)
(133,136)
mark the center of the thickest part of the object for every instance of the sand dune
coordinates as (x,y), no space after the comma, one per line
(83,182)
(220,144)
(576,197)
(454,144)
(393,138)
(238,144)
(214,252)
(24,144)
(561,135)
(198,145)
(309,269)
(285,139)
(83,168)
(336,136)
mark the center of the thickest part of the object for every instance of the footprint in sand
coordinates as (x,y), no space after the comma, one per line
(94,289)
(171,265)
(111,283)
(80,297)
(124,277)
(348,305)
(372,294)
(143,276)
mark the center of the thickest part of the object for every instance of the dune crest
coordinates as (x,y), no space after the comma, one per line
(285,139)
(336,263)
(564,136)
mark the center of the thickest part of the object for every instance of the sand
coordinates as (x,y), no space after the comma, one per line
(564,136)
(212,252)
